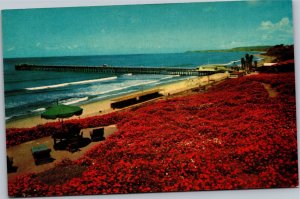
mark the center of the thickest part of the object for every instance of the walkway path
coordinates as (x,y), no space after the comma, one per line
(23,159)
(272,92)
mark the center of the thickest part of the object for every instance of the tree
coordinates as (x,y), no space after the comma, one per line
(243,62)
(250,61)
(247,61)
(255,64)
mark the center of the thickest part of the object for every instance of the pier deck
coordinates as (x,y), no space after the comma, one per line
(117,69)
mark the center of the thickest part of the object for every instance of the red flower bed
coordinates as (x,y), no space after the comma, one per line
(287,62)
(15,136)
(232,137)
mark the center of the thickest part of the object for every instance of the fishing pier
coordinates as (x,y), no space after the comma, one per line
(116,70)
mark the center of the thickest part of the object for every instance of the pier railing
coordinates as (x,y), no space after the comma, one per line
(117,70)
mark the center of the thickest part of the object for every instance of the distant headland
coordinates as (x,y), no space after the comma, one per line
(237,49)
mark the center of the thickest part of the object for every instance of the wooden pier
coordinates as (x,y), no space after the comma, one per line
(117,70)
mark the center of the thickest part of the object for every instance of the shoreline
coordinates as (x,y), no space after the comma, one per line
(264,59)
(103,106)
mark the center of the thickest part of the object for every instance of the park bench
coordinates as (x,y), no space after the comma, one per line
(10,167)
(97,134)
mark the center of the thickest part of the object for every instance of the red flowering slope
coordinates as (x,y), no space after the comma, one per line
(233,137)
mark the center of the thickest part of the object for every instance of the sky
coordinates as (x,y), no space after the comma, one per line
(139,29)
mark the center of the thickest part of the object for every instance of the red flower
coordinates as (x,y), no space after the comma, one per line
(232,137)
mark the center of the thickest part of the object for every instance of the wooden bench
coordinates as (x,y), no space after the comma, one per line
(97,134)
(10,167)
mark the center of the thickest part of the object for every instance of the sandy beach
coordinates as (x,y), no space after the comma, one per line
(265,59)
(103,107)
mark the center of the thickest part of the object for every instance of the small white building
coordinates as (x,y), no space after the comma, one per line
(212,67)
(269,64)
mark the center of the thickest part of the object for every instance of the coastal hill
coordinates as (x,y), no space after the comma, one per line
(281,52)
(237,49)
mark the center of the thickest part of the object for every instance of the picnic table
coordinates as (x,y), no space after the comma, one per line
(41,154)
(66,135)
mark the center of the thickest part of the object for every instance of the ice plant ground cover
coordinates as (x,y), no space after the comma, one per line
(235,136)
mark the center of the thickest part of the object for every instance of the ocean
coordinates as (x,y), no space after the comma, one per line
(31,92)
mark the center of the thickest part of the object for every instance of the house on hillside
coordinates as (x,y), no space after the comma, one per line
(269,64)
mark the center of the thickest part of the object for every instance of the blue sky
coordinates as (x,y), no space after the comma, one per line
(136,29)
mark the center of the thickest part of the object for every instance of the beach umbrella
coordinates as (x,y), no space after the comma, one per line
(61,111)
